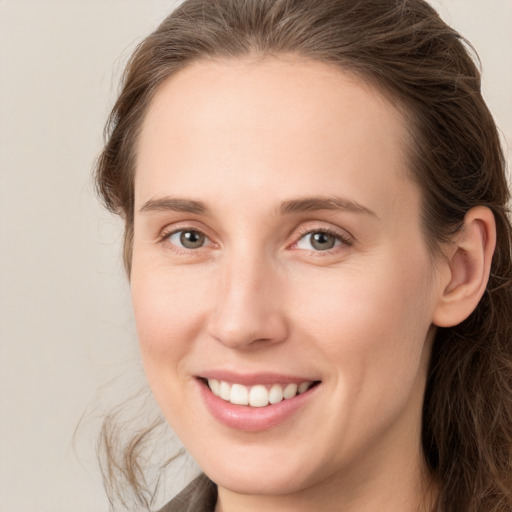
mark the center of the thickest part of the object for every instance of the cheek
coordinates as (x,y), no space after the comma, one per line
(169,308)
(371,322)
(365,300)
(169,311)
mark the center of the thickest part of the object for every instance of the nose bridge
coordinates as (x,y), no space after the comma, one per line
(248,308)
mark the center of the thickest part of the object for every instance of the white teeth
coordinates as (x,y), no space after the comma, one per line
(214,386)
(303,387)
(239,395)
(290,391)
(256,396)
(225,391)
(275,394)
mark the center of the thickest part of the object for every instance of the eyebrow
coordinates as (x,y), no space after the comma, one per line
(306,204)
(174,204)
(309,204)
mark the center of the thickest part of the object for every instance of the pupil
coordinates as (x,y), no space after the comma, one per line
(191,239)
(322,241)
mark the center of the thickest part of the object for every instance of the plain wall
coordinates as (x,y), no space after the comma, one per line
(65,321)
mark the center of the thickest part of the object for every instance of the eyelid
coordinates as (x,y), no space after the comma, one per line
(344,237)
(163,237)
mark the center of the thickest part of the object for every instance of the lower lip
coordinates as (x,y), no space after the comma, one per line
(253,419)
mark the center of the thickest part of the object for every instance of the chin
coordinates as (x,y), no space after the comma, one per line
(265,484)
(266,478)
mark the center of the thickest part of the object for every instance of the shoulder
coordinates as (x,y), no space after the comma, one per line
(199,496)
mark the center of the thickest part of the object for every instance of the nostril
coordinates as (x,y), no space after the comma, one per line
(250,330)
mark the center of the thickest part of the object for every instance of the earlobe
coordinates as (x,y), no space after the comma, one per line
(467,268)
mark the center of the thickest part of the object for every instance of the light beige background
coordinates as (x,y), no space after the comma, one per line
(65,322)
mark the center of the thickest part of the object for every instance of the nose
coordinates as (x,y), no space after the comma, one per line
(249,312)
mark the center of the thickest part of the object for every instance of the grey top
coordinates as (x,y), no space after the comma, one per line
(199,496)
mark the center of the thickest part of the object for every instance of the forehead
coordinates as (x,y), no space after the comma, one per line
(268,122)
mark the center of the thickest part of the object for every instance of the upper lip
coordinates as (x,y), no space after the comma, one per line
(253,378)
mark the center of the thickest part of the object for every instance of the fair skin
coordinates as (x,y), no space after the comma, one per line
(278,239)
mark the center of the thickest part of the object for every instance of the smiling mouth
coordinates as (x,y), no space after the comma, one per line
(259,395)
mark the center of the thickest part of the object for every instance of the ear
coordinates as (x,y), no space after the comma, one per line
(466,268)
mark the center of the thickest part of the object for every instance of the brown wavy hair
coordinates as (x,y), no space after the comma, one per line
(429,71)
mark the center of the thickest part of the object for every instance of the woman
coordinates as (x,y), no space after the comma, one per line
(318,247)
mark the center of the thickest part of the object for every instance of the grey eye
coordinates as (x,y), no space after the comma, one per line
(188,239)
(318,241)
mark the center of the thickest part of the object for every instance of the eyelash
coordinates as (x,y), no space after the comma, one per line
(164,239)
(344,240)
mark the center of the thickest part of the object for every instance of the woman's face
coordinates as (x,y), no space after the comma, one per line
(278,246)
